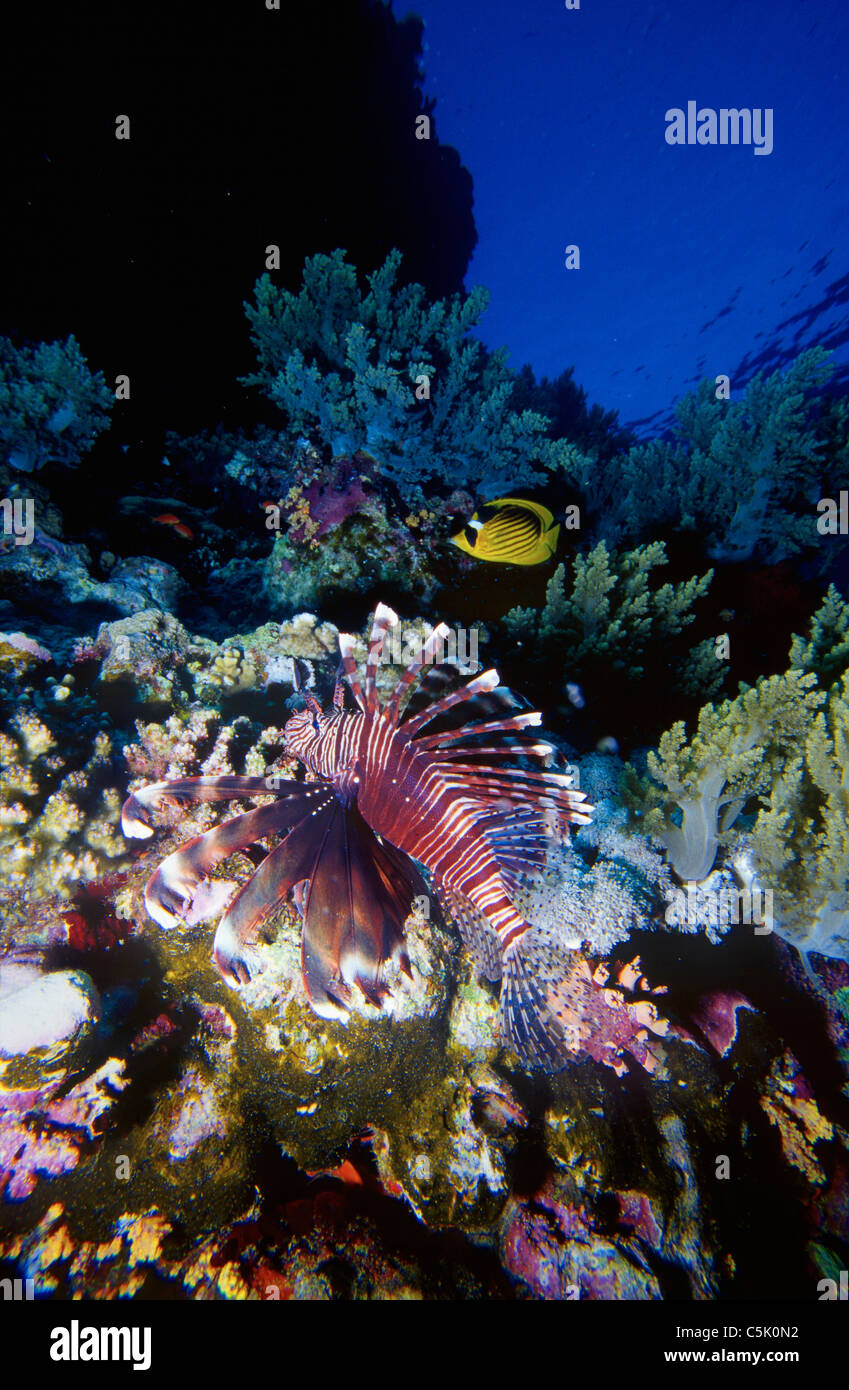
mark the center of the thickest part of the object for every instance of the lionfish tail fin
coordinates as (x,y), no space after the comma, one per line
(478,937)
(532,1024)
(555,1008)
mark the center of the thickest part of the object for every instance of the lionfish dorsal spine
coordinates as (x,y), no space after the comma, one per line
(427,653)
(487,681)
(384,619)
(347,644)
(516,722)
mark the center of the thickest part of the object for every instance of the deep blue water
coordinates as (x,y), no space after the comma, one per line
(695,259)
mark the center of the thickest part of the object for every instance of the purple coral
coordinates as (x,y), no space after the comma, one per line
(331,498)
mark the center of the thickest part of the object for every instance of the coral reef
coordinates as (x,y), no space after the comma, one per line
(742,474)
(612,619)
(60,574)
(789,1104)
(151,660)
(392,374)
(51,406)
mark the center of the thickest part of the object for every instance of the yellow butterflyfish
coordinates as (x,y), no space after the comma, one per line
(510,531)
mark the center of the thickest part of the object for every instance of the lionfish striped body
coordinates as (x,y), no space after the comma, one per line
(394,785)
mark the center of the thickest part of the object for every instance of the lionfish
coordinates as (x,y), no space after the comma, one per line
(427,780)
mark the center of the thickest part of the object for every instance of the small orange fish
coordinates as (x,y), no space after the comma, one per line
(169,519)
(346,1172)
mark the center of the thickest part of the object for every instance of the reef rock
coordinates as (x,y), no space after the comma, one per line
(43,1025)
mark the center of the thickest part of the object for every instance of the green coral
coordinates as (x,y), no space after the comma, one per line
(611,616)
(743,474)
(739,750)
(785,745)
(59,824)
(826,650)
(51,405)
(800,840)
(353,366)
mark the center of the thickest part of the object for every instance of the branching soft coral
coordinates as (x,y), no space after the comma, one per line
(51,405)
(800,840)
(826,650)
(745,474)
(785,745)
(612,616)
(400,377)
(739,750)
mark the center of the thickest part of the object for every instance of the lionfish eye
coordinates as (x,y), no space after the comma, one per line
(315,723)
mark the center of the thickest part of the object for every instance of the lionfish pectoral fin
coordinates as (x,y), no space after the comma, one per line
(137,811)
(242,928)
(166,900)
(174,895)
(360,893)
(375,992)
(236,962)
(210,899)
(181,891)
